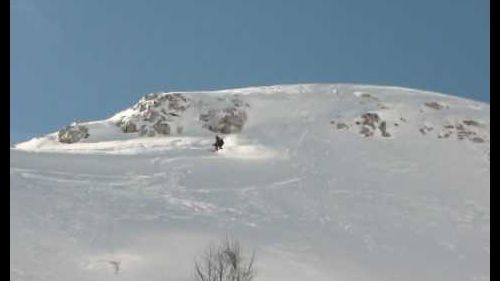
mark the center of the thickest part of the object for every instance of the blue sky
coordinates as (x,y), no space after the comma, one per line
(87,59)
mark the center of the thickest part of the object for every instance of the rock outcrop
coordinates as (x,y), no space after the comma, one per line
(370,122)
(465,130)
(227,119)
(435,105)
(72,133)
(155,114)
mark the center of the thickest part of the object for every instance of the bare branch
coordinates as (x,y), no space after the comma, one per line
(225,262)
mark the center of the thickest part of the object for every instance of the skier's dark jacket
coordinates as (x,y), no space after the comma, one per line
(219,142)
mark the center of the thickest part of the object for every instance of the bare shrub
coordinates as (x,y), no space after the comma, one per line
(224,262)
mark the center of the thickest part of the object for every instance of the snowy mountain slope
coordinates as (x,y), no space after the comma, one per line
(324,181)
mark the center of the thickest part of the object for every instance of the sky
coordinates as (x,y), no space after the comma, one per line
(87,59)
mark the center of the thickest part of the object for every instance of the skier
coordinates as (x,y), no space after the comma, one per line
(219,142)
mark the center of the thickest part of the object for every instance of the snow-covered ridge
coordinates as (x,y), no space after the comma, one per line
(377,111)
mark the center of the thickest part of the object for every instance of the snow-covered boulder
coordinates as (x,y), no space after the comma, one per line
(155,114)
(128,126)
(370,122)
(471,130)
(72,133)
(435,105)
(226,120)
